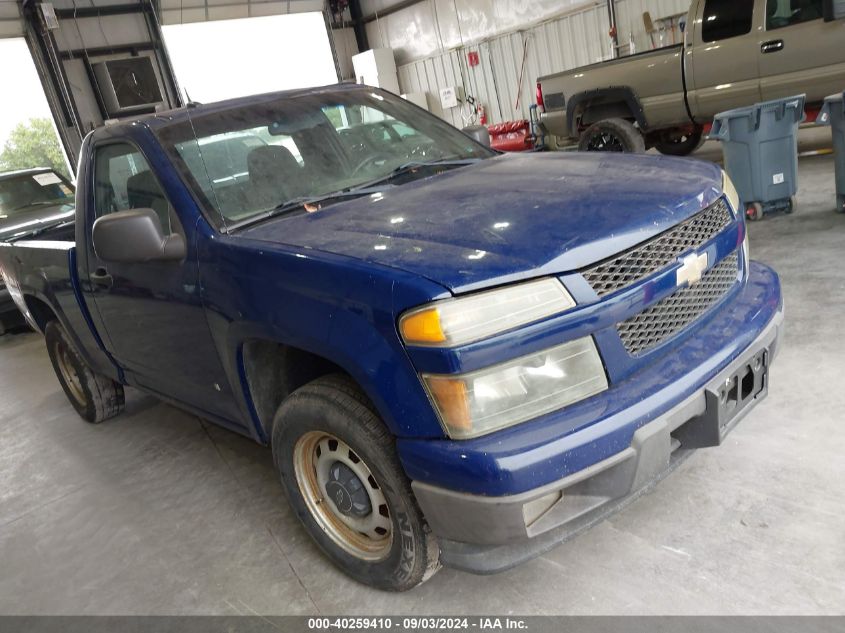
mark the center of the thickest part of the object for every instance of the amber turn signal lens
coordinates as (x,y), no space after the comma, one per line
(422,327)
(450,396)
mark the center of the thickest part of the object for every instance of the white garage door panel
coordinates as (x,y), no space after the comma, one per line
(185,11)
(11,24)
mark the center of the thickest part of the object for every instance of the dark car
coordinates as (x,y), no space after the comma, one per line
(34,203)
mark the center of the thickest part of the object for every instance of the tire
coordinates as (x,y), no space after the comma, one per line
(684,145)
(612,135)
(754,211)
(94,396)
(333,409)
(791,205)
(840,204)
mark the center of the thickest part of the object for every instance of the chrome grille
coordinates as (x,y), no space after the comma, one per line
(669,316)
(649,257)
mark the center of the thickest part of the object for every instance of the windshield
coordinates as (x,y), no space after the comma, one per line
(247,160)
(22,193)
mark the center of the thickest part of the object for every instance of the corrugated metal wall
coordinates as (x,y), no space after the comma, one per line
(504,81)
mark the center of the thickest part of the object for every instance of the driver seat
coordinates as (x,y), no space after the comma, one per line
(275,176)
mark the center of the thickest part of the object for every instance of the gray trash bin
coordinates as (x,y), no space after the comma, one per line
(760,148)
(833,114)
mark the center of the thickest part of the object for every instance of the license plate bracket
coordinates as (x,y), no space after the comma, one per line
(727,402)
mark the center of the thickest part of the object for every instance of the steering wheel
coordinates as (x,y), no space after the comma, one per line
(371,160)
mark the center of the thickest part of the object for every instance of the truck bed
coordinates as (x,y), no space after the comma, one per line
(46,271)
(653,79)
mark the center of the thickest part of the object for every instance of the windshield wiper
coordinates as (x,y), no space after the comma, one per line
(302,202)
(405,168)
(38,230)
(38,203)
(363,189)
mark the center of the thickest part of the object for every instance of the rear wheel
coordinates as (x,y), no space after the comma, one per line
(840,204)
(94,396)
(612,135)
(682,144)
(339,468)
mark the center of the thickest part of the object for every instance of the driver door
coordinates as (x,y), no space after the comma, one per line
(151,314)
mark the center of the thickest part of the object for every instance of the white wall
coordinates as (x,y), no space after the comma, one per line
(576,38)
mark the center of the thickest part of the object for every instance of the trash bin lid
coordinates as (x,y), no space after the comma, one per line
(832,105)
(747,111)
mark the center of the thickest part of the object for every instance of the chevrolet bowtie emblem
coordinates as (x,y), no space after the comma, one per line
(692,267)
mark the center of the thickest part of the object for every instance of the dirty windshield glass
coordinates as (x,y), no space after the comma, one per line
(246,161)
(21,193)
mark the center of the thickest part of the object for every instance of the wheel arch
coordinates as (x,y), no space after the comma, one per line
(39,312)
(271,370)
(604,103)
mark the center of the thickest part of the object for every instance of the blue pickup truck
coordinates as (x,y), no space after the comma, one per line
(458,357)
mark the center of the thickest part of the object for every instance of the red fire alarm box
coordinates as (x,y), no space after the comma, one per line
(472,58)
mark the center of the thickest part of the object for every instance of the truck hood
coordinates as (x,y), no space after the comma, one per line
(508,218)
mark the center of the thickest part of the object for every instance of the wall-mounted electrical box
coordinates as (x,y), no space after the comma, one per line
(128,85)
(451,97)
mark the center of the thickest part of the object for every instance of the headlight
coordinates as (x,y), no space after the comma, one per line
(731,193)
(455,322)
(503,395)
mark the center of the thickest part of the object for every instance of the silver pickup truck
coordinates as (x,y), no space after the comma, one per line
(735,53)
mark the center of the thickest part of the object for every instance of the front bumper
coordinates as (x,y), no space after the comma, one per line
(487,533)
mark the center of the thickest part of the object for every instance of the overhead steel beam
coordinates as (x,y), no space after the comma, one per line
(390,10)
(358,25)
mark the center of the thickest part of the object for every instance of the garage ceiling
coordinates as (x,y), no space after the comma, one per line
(170,11)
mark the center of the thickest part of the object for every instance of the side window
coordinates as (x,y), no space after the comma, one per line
(123,180)
(726,18)
(780,13)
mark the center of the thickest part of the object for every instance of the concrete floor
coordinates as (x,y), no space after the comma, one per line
(157,512)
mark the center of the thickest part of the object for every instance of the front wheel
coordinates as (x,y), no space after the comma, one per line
(339,468)
(840,204)
(94,396)
(612,135)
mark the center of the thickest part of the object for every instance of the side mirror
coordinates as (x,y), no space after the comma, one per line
(833,10)
(135,236)
(478,133)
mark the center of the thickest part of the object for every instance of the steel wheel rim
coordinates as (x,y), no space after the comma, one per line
(69,373)
(368,538)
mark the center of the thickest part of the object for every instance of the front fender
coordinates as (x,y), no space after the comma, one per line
(334,307)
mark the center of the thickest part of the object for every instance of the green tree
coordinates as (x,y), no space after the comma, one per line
(33,144)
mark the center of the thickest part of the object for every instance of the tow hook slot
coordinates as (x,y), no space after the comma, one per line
(725,403)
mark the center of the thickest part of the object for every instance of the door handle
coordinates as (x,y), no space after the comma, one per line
(772,46)
(102,278)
